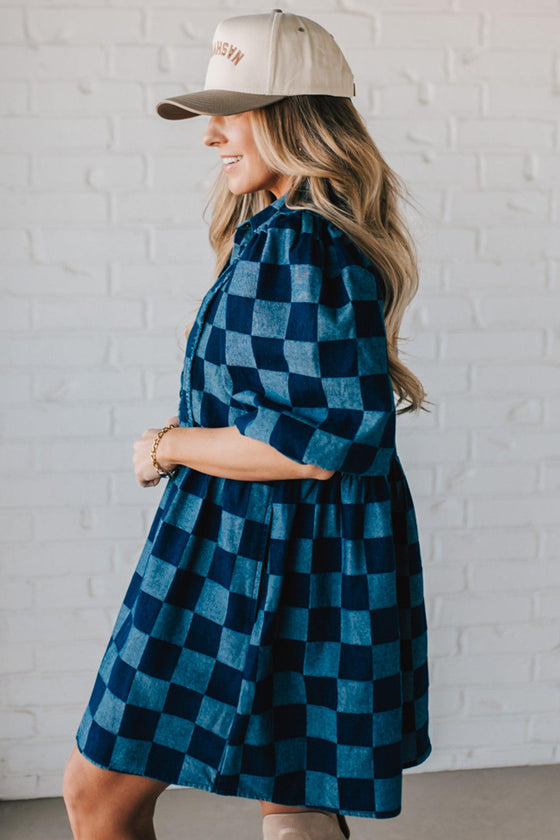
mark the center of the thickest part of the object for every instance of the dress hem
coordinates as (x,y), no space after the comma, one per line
(380,815)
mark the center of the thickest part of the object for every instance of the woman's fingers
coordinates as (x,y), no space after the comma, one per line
(144,470)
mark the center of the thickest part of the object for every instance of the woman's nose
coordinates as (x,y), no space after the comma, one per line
(212,135)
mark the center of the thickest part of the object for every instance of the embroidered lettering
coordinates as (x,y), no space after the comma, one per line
(230,51)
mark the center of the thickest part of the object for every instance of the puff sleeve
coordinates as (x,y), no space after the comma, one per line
(306,348)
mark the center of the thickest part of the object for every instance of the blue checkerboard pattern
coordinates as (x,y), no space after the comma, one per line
(272,643)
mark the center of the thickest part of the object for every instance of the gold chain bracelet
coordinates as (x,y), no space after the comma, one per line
(155,445)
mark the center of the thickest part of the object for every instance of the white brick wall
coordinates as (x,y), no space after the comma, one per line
(103,256)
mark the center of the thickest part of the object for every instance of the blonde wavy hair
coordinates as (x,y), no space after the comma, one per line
(338,172)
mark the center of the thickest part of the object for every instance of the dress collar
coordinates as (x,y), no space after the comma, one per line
(263,216)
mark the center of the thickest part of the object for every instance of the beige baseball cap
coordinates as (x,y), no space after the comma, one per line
(262,58)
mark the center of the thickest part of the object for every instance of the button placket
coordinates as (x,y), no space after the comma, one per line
(196,332)
(242,234)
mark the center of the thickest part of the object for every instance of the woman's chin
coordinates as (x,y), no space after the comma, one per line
(238,190)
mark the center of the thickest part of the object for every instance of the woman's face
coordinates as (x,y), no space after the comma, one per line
(241,161)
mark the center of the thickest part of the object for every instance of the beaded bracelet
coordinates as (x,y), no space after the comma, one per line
(155,445)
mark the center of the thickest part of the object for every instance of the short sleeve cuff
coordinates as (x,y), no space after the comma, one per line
(306,444)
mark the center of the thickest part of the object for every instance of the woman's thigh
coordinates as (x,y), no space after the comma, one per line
(105,800)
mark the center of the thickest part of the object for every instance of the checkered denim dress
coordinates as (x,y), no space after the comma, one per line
(272,643)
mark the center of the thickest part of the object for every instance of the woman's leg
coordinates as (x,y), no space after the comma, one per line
(102,804)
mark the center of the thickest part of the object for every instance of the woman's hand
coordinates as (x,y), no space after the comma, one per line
(146,474)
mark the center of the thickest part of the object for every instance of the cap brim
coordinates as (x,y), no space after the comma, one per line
(212,103)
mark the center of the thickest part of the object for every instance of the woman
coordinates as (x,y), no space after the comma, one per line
(272,643)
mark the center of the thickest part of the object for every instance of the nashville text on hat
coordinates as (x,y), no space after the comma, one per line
(229,50)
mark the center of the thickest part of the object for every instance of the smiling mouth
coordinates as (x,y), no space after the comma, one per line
(230,162)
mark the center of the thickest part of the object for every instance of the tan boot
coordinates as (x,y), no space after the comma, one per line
(305,825)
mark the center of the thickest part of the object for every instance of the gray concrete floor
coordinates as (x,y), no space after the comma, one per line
(506,803)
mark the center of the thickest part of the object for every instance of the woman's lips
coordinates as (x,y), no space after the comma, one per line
(231,161)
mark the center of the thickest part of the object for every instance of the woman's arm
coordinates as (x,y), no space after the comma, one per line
(222,452)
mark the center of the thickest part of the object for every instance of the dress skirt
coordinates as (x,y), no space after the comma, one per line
(293,672)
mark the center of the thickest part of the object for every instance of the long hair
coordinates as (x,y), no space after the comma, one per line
(338,172)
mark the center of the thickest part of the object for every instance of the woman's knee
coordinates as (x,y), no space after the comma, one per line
(72,781)
(79,790)
(96,798)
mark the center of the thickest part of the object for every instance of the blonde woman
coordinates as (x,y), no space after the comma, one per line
(273,642)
